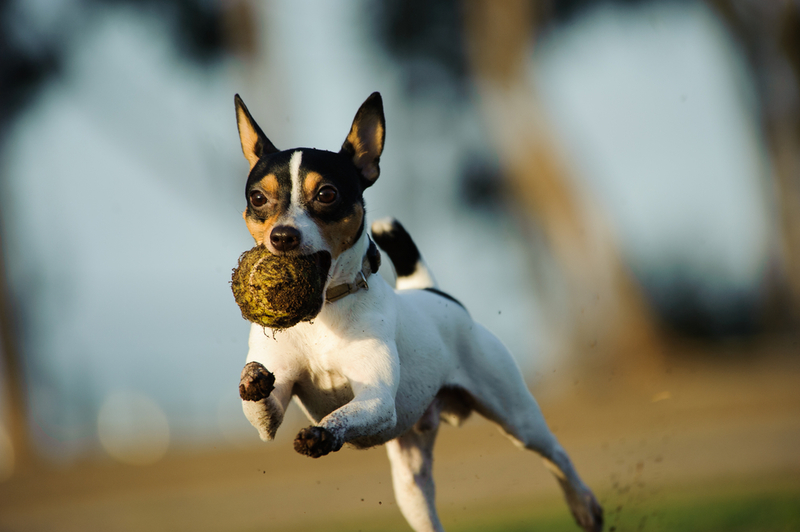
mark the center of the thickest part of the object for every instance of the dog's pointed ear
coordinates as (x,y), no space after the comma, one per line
(364,143)
(254,143)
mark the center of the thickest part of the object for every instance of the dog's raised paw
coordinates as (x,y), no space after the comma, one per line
(314,442)
(257,382)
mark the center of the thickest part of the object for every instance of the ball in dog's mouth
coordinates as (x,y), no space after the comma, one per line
(279,291)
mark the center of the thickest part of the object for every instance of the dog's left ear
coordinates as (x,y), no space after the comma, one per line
(254,143)
(364,143)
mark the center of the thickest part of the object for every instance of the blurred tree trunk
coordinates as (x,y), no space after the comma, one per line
(769,33)
(611,325)
(13,382)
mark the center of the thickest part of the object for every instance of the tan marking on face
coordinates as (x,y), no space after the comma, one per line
(269,184)
(341,235)
(310,185)
(260,229)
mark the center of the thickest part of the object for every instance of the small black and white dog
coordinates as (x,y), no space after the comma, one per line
(377,365)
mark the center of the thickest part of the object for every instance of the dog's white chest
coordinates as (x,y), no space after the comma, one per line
(313,356)
(322,391)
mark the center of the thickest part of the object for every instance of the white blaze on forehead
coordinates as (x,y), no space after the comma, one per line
(294,172)
(296,216)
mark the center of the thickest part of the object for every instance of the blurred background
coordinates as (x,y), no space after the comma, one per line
(612,187)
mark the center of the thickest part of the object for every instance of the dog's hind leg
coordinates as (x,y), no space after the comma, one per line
(501,395)
(411,456)
(411,269)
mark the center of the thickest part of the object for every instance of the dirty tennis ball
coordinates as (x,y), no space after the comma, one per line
(279,291)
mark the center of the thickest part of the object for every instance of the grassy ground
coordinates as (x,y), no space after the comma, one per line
(700,446)
(708,508)
(713,508)
(723,505)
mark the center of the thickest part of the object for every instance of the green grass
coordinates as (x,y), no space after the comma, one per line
(764,513)
(695,509)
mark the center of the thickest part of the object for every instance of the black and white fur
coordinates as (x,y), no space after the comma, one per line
(381,365)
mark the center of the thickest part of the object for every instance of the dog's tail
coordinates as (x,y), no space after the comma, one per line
(412,271)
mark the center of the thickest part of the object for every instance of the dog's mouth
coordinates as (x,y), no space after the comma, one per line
(323,258)
(323,261)
(279,291)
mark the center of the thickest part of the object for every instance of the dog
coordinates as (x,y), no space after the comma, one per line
(377,365)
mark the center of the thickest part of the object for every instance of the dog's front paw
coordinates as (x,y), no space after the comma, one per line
(256,383)
(315,442)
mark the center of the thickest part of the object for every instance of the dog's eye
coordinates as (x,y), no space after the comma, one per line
(257,198)
(327,194)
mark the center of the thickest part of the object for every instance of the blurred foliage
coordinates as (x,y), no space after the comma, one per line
(427,38)
(31,55)
(24,63)
(428,41)
(197,25)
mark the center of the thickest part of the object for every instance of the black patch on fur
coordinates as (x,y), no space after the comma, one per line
(277,164)
(336,169)
(446,296)
(373,255)
(402,250)
(455,402)
(360,227)
(339,171)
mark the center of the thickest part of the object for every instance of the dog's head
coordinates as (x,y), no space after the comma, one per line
(303,201)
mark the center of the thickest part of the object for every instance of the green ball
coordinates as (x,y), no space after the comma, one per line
(279,291)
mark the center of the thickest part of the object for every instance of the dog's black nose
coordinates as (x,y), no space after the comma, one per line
(284,238)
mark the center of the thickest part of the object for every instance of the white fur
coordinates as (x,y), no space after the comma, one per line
(369,369)
(294,172)
(296,216)
(420,278)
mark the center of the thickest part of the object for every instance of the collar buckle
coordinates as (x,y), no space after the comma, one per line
(370,265)
(361,281)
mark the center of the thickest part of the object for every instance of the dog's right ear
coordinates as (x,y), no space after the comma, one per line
(254,143)
(364,143)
